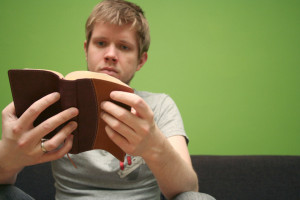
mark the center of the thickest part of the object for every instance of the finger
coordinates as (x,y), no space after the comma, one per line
(54,155)
(118,126)
(8,116)
(133,111)
(121,114)
(28,117)
(60,137)
(133,100)
(52,123)
(9,110)
(118,139)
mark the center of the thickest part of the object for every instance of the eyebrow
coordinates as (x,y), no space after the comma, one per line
(126,42)
(99,38)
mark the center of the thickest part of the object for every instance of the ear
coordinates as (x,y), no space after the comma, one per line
(142,61)
(85,49)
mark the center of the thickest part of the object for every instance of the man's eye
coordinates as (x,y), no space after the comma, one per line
(123,47)
(101,43)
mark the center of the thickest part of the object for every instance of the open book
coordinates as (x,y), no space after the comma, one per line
(84,90)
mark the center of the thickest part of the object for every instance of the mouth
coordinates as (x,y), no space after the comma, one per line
(109,71)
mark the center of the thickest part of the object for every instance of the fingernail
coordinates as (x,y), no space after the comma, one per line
(112,94)
(74,111)
(56,95)
(101,114)
(73,124)
(102,104)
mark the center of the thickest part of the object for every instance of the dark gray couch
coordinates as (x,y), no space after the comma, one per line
(224,177)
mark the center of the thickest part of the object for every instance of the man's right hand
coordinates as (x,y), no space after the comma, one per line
(21,141)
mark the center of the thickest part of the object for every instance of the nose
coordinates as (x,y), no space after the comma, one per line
(111,54)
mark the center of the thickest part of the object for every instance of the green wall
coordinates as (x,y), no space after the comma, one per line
(231,66)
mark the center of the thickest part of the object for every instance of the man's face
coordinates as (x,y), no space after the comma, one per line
(113,50)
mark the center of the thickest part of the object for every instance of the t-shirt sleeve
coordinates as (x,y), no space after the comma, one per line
(168,118)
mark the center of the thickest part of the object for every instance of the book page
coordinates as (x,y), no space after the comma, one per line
(93,75)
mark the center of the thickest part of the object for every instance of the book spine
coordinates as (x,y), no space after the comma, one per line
(87,118)
(68,99)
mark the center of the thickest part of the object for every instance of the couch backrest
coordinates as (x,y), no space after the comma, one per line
(224,177)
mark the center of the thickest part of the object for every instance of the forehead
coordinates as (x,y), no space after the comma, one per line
(115,32)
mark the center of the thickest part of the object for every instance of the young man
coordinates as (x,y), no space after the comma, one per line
(152,133)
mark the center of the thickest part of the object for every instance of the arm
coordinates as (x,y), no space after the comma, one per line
(20,145)
(137,134)
(173,169)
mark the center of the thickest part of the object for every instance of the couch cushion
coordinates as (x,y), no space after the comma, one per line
(249,177)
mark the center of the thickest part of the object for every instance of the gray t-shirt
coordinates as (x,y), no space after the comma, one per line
(99,175)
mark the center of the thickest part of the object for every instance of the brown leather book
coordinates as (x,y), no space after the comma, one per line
(84,90)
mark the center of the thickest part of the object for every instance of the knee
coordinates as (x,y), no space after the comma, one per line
(10,192)
(193,196)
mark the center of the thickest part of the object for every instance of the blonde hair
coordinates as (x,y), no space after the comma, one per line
(120,12)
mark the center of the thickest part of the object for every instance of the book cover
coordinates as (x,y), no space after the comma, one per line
(84,90)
